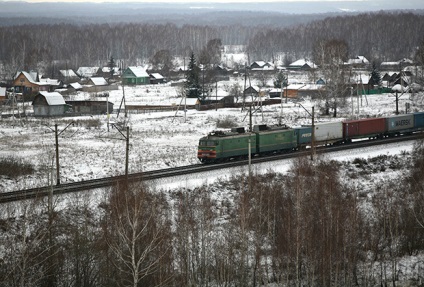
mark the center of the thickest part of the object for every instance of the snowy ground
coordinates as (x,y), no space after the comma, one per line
(157,139)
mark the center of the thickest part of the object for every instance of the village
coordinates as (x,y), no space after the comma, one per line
(30,93)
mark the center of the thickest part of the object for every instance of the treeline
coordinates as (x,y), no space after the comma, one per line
(380,36)
(309,227)
(377,36)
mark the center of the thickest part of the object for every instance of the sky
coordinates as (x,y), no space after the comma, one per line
(194,1)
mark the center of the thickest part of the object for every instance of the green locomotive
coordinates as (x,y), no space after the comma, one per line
(220,146)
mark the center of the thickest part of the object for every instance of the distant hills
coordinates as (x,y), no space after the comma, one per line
(249,14)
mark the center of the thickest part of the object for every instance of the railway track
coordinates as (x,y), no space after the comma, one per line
(40,192)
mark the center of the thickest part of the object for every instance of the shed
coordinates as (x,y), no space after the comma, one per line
(49,104)
(135,75)
(156,78)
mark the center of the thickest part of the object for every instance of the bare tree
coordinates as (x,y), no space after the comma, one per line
(331,55)
(138,236)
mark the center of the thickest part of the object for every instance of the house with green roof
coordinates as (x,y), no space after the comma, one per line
(135,75)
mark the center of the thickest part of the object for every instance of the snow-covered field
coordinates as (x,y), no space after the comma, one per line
(157,139)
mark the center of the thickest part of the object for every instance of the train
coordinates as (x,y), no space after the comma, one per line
(219,146)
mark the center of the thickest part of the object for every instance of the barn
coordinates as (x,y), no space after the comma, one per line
(49,104)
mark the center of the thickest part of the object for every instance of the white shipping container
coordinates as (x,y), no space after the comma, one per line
(328,132)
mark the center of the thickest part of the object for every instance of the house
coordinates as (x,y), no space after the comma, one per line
(68,76)
(2,94)
(358,62)
(53,83)
(28,82)
(396,66)
(106,73)
(361,82)
(97,81)
(311,90)
(292,90)
(252,90)
(135,75)
(49,104)
(156,78)
(75,86)
(302,64)
(88,72)
(261,65)
(90,107)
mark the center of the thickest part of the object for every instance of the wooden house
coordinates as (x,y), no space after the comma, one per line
(49,104)
(29,82)
(135,75)
(302,64)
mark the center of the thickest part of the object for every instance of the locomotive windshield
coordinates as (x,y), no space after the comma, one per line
(207,143)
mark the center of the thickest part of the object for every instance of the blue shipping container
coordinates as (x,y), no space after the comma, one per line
(304,135)
(419,120)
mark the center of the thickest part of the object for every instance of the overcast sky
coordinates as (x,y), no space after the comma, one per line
(206,1)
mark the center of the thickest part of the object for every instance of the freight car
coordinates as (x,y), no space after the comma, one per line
(220,146)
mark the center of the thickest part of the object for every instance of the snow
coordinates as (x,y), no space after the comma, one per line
(158,139)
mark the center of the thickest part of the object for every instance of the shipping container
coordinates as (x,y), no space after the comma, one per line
(304,135)
(399,124)
(372,127)
(328,132)
(419,121)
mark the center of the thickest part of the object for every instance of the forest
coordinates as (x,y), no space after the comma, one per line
(381,36)
(309,227)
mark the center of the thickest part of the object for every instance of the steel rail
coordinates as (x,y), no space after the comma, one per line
(40,192)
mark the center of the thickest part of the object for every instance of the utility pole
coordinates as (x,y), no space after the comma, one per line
(313,129)
(56,135)
(127,148)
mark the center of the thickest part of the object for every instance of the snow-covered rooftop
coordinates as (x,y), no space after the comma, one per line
(53,98)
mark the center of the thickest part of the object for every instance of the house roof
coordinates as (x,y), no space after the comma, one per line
(302,63)
(76,86)
(52,82)
(27,75)
(157,76)
(87,71)
(358,60)
(99,81)
(68,73)
(53,98)
(138,71)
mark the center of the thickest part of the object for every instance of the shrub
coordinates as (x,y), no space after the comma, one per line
(13,167)
(227,122)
